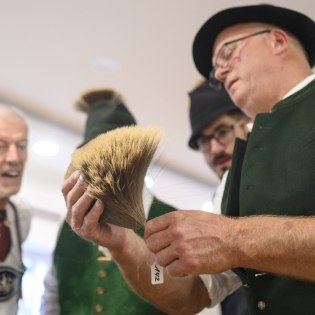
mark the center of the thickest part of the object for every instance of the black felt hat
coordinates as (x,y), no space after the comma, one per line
(206,105)
(106,111)
(294,22)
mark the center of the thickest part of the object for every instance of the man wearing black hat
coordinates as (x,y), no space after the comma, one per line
(215,123)
(84,279)
(263,56)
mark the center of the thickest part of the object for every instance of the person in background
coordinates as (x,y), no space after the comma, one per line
(84,278)
(15,219)
(215,124)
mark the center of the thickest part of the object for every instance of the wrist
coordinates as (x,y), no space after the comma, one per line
(238,239)
(125,248)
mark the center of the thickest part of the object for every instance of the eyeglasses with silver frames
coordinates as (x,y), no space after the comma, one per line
(224,56)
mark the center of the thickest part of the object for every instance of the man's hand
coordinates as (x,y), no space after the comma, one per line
(192,242)
(84,213)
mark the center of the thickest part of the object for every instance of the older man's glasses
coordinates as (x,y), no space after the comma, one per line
(223,135)
(224,56)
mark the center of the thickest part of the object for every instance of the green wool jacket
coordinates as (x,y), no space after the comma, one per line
(273,173)
(88,286)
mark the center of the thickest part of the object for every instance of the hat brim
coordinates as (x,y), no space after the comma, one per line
(294,22)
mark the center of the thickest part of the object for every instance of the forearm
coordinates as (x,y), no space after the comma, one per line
(280,245)
(186,295)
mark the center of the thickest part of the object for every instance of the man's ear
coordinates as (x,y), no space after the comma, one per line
(280,40)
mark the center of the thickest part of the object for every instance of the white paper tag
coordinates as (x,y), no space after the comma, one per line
(157,275)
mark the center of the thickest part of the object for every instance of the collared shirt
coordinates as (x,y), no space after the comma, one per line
(300,85)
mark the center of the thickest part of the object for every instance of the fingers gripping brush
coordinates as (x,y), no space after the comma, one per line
(113,166)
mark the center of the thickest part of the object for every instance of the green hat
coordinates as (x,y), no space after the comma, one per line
(106,111)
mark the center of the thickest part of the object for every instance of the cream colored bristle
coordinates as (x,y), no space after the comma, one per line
(114,165)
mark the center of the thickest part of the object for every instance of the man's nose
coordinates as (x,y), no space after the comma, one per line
(221,72)
(216,146)
(12,155)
